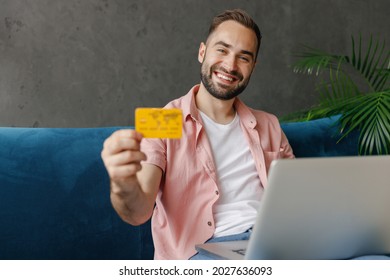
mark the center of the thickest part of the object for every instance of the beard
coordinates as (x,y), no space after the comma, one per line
(222,91)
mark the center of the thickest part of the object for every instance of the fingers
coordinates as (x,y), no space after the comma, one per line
(123,172)
(125,157)
(121,154)
(122,140)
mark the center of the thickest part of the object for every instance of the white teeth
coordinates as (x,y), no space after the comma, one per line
(219,75)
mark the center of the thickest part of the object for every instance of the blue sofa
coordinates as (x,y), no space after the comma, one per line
(54,192)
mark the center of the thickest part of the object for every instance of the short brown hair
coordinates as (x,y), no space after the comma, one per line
(239,16)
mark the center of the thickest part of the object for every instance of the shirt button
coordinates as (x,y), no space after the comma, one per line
(209,223)
(217,192)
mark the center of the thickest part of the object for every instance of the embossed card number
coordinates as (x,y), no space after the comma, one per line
(159,123)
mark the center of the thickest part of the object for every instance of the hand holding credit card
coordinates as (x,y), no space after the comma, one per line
(159,123)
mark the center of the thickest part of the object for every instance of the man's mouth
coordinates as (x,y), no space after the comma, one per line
(226,77)
(222,76)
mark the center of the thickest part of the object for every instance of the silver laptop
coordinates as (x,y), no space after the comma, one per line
(318,208)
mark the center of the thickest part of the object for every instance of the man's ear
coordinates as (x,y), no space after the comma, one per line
(202,52)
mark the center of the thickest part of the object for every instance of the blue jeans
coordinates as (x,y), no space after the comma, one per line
(246,235)
(235,237)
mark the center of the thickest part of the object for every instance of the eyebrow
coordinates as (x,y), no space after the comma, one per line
(226,45)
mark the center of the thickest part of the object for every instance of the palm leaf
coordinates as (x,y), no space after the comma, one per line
(339,87)
(382,78)
(314,60)
(371,115)
(372,65)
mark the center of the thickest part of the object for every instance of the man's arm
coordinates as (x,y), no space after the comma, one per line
(134,186)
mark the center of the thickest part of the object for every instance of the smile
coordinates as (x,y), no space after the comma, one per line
(225,77)
(219,75)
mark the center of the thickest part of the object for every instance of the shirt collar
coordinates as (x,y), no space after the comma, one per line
(191,111)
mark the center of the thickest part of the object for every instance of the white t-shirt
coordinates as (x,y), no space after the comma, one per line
(239,183)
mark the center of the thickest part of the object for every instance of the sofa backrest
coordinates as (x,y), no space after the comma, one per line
(320,138)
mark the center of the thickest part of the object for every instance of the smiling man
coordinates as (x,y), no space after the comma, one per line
(206,186)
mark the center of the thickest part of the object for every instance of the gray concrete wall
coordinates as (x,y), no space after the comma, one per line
(87,63)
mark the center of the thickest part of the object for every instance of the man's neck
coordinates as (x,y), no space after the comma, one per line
(220,111)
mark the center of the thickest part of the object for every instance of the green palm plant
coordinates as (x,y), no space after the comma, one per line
(354,86)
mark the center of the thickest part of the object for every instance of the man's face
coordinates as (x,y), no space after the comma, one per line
(228,59)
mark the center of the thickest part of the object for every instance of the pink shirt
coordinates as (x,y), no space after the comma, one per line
(183,215)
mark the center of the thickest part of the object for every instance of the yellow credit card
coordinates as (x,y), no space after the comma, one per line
(159,123)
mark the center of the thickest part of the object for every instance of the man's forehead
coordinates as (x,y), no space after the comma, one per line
(234,33)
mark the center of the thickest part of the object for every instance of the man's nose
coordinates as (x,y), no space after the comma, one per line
(230,63)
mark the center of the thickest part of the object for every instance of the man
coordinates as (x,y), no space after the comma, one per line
(208,184)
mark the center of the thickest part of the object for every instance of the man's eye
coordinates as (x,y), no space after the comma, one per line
(221,50)
(244,58)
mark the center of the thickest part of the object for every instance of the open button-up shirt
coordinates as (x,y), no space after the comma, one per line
(183,215)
